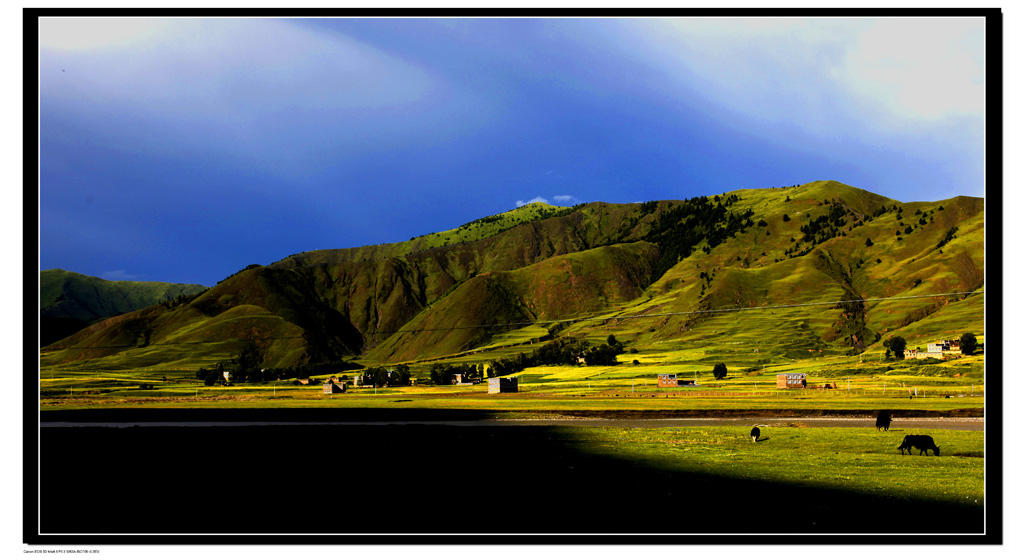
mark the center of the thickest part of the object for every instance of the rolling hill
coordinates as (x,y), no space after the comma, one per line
(69,301)
(647,272)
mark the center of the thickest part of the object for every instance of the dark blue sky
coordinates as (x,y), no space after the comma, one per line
(185,150)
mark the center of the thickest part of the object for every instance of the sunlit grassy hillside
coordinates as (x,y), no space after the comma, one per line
(816,270)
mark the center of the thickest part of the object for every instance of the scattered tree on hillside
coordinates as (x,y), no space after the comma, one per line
(968,344)
(720,371)
(679,230)
(948,237)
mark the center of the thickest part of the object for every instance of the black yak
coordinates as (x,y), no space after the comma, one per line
(922,443)
(883,421)
(754,434)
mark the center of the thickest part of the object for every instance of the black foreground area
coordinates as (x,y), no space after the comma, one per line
(434,480)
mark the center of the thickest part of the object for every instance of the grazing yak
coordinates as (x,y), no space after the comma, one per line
(922,443)
(883,421)
(754,434)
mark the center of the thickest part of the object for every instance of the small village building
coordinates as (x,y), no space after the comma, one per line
(941,350)
(791,380)
(672,380)
(330,387)
(503,385)
(922,354)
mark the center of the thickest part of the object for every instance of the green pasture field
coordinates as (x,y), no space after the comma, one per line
(856,459)
(862,382)
(548,389)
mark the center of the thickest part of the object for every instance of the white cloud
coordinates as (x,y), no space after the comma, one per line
(276,94)
(71,34)
(531,201)
(120,275)
(208,66)
(566,199)
(823,73)
(924,68)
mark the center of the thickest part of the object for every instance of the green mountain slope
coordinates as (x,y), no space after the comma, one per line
(565,286)
(650,273)
(69,301)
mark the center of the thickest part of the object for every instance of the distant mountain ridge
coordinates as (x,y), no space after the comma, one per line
(69,300)
(666,265)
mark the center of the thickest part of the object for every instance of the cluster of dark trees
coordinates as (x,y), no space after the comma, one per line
(826,226)
(543,214)
(897,346)
(444,374)
(562,352)
(568,351)
(508,366)
(948,237)
(882,210)
(378,376)
(246,371)
(183,299)
(678,231)
(250,267)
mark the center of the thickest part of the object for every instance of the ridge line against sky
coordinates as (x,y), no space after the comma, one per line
(184,150)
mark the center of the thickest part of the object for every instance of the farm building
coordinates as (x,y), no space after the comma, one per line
(940,350)
(503,385)
(944,346)
(672,380)
(791,380)
(463,379)
(331,387)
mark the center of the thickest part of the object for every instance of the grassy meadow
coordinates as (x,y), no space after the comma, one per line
(857,459)
(865,385)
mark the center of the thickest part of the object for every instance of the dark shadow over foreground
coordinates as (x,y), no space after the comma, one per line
(434,480)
